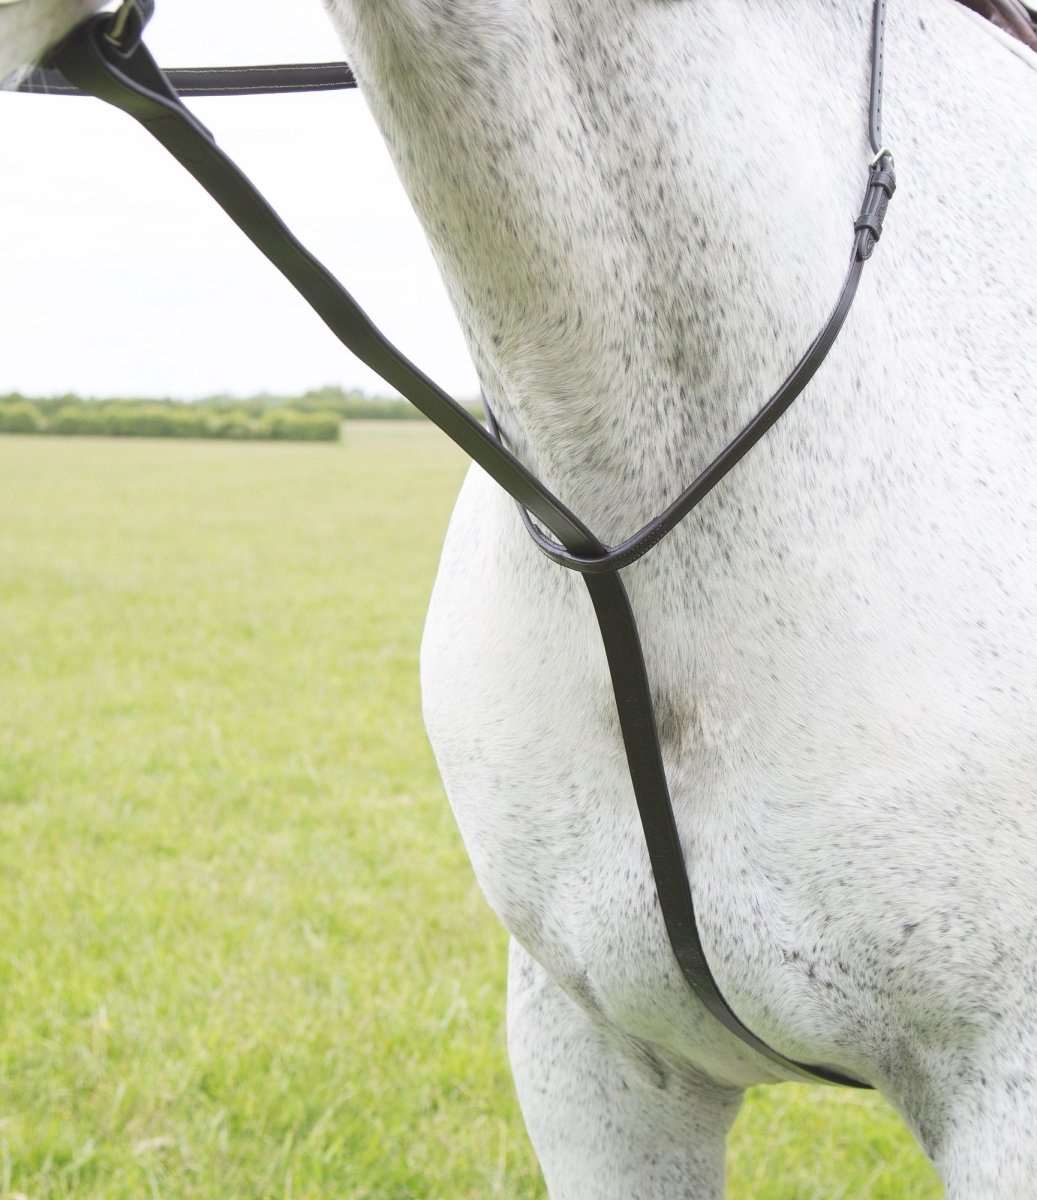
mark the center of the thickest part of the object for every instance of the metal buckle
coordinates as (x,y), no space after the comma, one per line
(127,23)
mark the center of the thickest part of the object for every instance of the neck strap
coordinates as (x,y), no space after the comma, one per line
(275,78)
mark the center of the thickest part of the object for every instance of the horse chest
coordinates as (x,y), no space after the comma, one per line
(521,715)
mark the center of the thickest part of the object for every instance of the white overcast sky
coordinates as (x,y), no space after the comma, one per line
(120,277)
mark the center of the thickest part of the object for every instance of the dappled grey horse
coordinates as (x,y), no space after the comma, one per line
(641,210)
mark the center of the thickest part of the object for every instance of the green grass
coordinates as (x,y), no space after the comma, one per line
(241,950)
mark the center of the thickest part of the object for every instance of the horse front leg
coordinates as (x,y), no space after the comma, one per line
(975,1117)
(608,1117)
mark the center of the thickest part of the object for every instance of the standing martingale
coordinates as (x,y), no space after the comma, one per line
(639,211)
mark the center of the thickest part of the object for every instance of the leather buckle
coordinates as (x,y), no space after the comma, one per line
(126,26)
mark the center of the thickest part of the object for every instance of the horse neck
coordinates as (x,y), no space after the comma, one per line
(638,210)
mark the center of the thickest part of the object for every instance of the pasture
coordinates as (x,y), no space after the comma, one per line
(242,954)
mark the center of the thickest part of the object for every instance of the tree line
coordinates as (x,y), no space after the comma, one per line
(315,416)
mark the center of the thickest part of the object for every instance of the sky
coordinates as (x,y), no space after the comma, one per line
(119,276)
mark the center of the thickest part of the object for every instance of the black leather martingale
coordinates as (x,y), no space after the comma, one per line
(105,57)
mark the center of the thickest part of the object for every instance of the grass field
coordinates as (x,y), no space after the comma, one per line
(241,951)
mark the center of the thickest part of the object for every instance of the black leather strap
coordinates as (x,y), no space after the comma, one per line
(878,67)
(121,71)
(275,78)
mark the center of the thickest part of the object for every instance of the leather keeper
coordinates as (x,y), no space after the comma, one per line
(882,184)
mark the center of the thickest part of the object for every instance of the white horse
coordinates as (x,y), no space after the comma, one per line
(642,210)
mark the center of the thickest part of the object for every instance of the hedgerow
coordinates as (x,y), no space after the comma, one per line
(315,416)
(19,417)
(73,417)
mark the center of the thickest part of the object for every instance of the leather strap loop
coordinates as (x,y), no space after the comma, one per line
(881,186)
